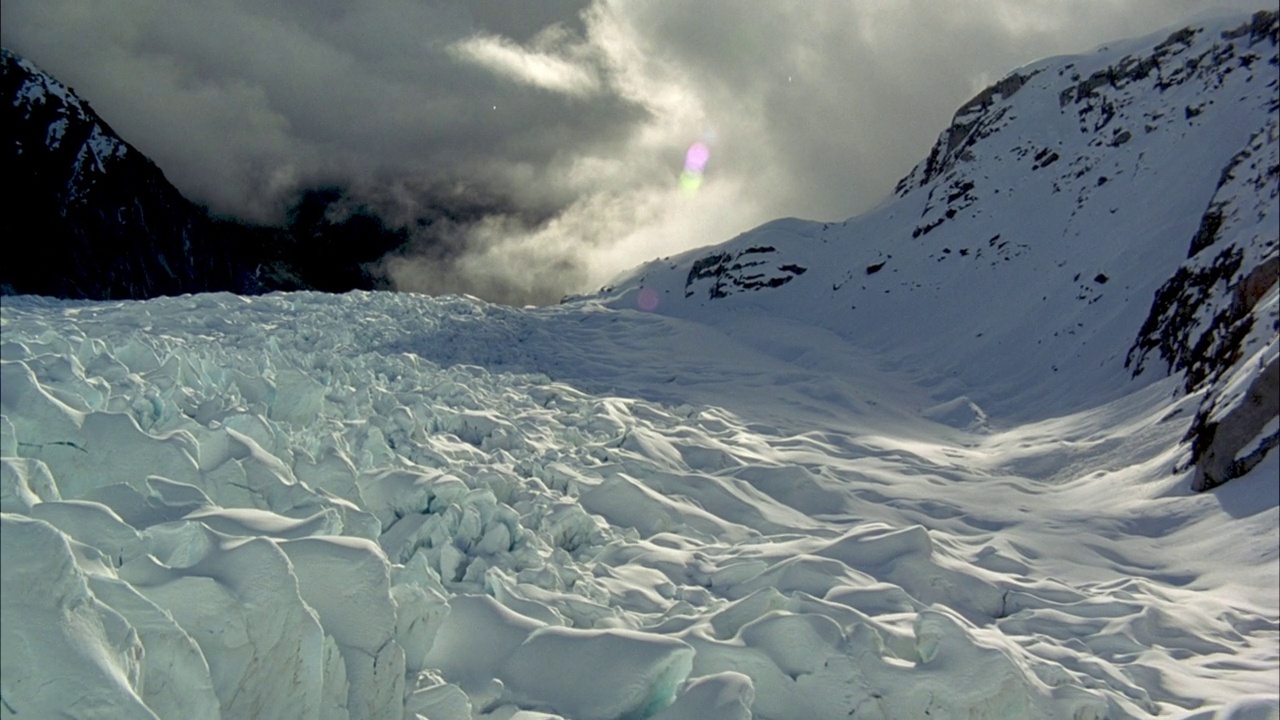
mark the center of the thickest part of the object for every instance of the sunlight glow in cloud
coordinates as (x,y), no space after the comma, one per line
(538,69)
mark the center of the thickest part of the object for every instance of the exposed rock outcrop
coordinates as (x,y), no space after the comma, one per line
(1233,444)
(1216,319)
(747,270)
(752,268)
(975,120)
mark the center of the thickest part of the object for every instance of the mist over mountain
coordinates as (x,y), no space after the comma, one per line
(101,221)
(534,152)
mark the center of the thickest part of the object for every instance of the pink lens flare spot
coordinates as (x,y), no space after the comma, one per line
(696,158)
(647,300)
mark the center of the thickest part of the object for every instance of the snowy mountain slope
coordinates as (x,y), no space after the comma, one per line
(773,491)
(1216,319)
(1020,259)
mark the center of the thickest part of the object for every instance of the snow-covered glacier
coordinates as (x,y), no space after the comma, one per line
(898,467)
(377,506)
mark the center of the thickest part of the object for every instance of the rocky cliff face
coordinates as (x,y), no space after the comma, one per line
(1083,226)
(1216,319)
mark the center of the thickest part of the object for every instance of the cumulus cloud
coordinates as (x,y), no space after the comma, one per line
(535,149)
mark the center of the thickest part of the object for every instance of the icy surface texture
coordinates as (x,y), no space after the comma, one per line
(320,506)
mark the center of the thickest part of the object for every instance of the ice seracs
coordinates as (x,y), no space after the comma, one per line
(794,541)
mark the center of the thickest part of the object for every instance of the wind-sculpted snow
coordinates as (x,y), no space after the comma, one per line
(386,506)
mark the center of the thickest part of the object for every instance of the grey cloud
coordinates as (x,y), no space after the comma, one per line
(829,102)
(542,141)
(243,102)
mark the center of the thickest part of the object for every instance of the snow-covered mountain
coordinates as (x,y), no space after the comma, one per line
(929,462)
(1084,220)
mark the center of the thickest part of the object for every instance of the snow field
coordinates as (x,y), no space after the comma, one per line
(374,506)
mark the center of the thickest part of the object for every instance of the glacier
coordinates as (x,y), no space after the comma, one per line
(909,465)
(378,505)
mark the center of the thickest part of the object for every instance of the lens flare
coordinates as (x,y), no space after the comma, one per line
(690,181)
(695,163)
(647,299)
(696,158)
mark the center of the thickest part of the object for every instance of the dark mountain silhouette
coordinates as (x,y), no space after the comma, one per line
(97,219)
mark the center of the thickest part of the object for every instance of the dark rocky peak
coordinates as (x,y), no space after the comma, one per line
(101,217)
(33,91)
(54,131)
(103,222)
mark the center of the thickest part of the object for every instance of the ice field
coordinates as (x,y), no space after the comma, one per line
(381,505)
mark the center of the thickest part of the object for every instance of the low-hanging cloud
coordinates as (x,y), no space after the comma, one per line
(535,149)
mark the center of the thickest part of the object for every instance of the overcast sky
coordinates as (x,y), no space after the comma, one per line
(545,139)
